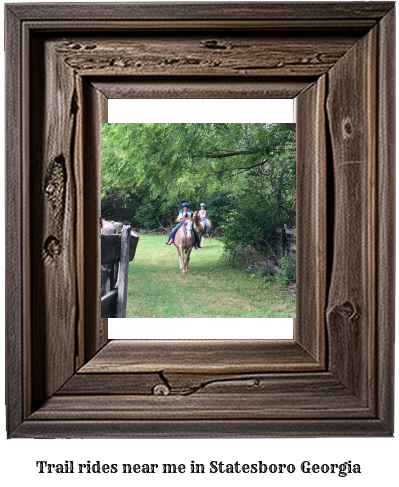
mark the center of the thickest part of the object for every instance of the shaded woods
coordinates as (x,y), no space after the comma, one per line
(244,173)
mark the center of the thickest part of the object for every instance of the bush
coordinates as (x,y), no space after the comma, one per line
(288,265)
(250,223)
(116,208)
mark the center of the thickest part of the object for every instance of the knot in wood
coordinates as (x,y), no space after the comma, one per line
(213,44)
(349,310)
(161,390)
(50,189)
(54,185)
(52,246)
(346,310)
(90,47)
(347,128)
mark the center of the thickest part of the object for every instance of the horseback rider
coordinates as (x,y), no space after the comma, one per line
(202,214)
(185,211)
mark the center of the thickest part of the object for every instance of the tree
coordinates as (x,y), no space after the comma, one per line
(252,165)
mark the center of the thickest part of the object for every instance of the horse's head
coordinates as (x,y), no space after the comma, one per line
(188,222)
(196,217)
(188,225)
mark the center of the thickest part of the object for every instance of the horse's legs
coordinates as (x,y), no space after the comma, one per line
(180,257)
(202,240)
(188,257)
(184,262)
(209,235)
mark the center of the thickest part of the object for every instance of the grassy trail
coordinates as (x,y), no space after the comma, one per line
(211,289)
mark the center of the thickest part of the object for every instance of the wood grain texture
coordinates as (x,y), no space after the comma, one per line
(200,388)
(256,397)
(360,12)
(132,384)
(139,87)
(311,185)
(14,261)
(111,248)
(108,304)
(330,403)
(185,384)
(94,113)
(78,175)
(351,308)
(109,277)
(54,238)
(123,272)
(311,219)
(190,428)
(385,271)
(246,55)
(200,356)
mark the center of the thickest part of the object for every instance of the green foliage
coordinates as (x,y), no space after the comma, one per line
(217,205)
(288,265)
(114,207)
(139,209)
(250,222)
(245,174)
(148,214)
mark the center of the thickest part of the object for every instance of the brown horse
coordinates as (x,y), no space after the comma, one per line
(184,241)
(200,226)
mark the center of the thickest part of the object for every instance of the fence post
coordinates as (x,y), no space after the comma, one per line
(123,272)
(107,271)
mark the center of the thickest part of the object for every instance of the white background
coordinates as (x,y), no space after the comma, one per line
(377,456)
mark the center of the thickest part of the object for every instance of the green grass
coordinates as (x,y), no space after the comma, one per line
(211,289)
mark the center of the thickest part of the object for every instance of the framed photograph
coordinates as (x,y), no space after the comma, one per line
(252,184)
(65,378)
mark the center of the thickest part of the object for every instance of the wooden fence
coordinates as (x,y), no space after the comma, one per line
(286,241)
(118,248)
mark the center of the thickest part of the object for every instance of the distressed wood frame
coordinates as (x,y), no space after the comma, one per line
(64,378)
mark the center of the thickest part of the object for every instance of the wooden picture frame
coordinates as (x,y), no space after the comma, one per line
(64,378)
